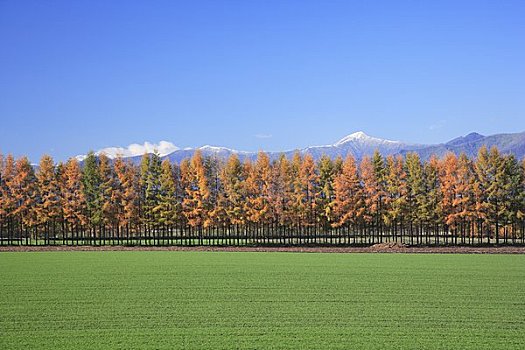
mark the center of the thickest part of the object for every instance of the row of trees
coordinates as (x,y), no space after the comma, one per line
(481,197)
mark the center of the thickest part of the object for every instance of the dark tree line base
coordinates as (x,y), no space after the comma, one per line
(415,234)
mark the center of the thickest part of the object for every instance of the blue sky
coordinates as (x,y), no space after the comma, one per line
(273,75)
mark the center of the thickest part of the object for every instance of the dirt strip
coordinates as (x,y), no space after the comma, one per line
(378,248)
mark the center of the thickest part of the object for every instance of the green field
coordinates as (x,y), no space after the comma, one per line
(167,300)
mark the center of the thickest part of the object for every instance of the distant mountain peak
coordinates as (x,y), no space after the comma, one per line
(217,149)
(358,144)
(472,137)
(214,148)
(358,135)
(361,136)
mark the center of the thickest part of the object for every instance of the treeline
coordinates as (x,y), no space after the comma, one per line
(453,200)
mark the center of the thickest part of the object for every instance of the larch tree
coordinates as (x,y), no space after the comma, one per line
(110,192)
(7,199)
(447,180)
(396,189)
(180,193)
(431,209)
(513,191)
(232,178)
(2,210)
(258,190)
(483,176)
(326,188)
(168,209)
(217,215)
(296,200)
(282,190)
(290,196)
(522,205)
(195,182)
(371,191)
(338,165)
(24,190)
(415,187)
(91,186)
(143,184)
(380,172)
(495,191)
(348,202)
(310,189)
(128,183)
(151,180)
(74,202)
(48,208)
(464,199)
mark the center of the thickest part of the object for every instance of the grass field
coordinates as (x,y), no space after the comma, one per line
(167,300)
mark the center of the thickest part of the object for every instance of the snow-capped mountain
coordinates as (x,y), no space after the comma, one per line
(358,144)
(163,148)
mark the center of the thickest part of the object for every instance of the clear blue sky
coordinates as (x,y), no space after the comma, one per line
(81,75)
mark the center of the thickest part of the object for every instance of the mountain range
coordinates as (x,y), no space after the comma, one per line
(358,144)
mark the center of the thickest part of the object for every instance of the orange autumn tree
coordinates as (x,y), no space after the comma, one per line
(521,200)
(447,179)
(373,181)
(396,189)
(232,178)
(217,215)
(48,208)
(296,197)
(7,199)
(415,183)
(24,191)
(128,185)
(431,209)
(310,191)
(523,174)
(483,174)
(348,202)
(196,203)
(110,192)
(282,190)
(73,199)
(464,186)
(284,200)
(327,172)
(258,189)
(495,191)
(142,186)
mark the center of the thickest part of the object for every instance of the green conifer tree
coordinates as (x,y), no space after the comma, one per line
(92,192)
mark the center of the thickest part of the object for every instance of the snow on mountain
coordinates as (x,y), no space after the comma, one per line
(357,144)
(163,148)
(360,136)
(216,149)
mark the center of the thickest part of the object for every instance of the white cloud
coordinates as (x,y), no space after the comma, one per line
(438,125)
(163,148)
(263,136)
